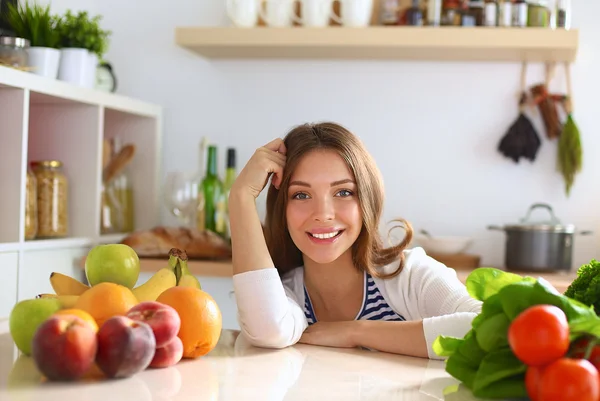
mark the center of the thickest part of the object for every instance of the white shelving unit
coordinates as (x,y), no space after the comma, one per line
(46,119)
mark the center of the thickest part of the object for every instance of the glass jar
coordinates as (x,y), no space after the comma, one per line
(13,52)
(31,216)
(538,14)
(563,14)
(473,15)
(52,199)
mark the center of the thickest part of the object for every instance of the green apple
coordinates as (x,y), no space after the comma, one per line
(25,318)
(113,263)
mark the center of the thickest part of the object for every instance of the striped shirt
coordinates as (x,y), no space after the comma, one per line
(374,306)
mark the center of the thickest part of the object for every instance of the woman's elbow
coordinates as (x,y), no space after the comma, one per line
(272,334)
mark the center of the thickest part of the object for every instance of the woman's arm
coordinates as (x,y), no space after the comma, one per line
(268,315)
(249,249)
(405,338)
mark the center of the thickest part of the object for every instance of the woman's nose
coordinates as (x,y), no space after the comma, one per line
(324,210)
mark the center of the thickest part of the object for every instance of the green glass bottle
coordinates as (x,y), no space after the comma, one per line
(230,175)
(213,193)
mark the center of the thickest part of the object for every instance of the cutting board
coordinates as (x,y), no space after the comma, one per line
(458,261)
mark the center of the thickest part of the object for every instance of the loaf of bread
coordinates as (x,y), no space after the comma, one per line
(198,244)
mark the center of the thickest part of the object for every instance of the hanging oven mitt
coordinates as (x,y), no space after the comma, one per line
(570,152)
(521,139)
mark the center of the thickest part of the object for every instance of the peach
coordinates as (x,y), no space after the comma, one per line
(64,347)
(168,355)
(162,319)
(125,347)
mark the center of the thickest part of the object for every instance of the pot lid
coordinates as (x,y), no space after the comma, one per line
(551,224)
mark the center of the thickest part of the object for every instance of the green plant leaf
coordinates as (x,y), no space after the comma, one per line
(34,23)
(82,31)
(492,334)
(484,282)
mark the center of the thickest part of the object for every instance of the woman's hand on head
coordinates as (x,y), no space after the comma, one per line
(268,160)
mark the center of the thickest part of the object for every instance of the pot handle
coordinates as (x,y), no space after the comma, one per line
(493,227)
(553,219)
(585,232)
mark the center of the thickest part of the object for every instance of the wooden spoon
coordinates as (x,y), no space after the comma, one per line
(118,163)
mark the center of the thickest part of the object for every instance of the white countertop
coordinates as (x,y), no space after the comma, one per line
(234,370)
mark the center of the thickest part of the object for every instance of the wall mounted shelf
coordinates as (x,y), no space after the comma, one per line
(382,43)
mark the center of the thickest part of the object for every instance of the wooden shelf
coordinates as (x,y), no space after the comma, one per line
(382,43)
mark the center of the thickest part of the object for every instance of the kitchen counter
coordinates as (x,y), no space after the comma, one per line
(235,370)
(560,280)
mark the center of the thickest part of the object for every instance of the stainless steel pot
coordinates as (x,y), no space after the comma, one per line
(539,245)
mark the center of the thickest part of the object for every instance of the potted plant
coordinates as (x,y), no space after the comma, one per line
(35,24)
(83,44)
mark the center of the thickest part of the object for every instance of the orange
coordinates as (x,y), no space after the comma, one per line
(81,314)
(201,320)
(106,300)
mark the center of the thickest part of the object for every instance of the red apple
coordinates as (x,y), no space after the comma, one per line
(64,347)
(163,319)
(125,347)
(168,355)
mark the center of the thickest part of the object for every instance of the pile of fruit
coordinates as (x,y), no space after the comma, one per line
(112,325)
(529,341)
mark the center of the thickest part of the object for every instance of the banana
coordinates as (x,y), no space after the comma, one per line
(66,301)
(178,262)
(159,282)
(67,285)
(189,280)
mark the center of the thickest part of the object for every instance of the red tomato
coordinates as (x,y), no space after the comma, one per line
(533,377)
(539,335)
(569,379)
(579,349)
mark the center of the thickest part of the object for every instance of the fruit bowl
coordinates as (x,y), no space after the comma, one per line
(443,244)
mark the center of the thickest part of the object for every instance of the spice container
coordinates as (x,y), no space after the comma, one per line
(490,13)
(473,16)
(13,52)
(505,13)
(389,12)
(451,13)
(52,199)
(519,13)
(538,14)
(31,216)
(563,14)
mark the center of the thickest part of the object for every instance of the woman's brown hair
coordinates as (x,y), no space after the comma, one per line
(368,251)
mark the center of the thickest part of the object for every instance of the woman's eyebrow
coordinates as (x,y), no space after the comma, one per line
(333,184)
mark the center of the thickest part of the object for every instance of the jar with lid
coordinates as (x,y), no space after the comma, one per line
(473,15)
(563,14)
(31,216)
(451,13)
(13,52)
(52,199)
(538,14)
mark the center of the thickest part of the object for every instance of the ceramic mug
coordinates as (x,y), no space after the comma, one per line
(278,13)
(243,13)
(316,13)
(354,13)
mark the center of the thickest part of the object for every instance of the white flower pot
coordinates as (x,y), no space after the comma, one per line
(44,61)
(78,67)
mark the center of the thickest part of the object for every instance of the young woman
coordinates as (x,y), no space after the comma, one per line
(319,273)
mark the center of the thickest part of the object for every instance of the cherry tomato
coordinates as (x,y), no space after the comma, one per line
(569,379)
(533,377)
(579,349)
(539,335)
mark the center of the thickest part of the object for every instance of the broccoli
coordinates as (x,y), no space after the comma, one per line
(585,288)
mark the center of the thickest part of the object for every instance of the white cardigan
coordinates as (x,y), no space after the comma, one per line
(270,312)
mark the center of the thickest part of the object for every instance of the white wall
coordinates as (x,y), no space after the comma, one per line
(432,127)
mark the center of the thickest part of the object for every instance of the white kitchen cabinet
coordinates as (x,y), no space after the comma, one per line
(9,265)
(47,119)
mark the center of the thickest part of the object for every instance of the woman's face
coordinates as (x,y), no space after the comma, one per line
(323,212)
